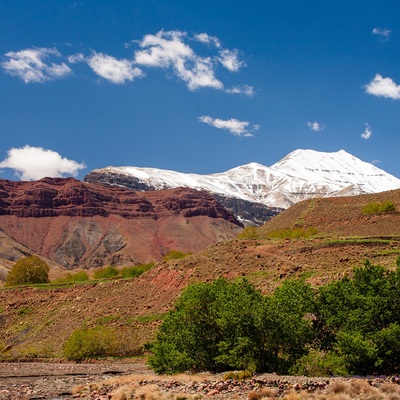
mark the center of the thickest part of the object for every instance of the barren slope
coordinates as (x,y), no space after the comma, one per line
(37,321)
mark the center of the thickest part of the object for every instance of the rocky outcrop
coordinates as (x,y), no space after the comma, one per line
(76,223)
(53,197)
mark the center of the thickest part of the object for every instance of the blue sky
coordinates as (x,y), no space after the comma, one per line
(195,86)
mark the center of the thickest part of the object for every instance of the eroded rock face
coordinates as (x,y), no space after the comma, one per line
(75,223)
(53,197)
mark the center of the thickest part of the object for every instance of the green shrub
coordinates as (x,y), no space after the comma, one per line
(293,233)
(378,208)
(320,363)
(135,271)
(28,270)
(248,233)
(100,341)
(81,276)
(175,255)
(106,273)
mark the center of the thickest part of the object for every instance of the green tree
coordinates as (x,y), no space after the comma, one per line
(213,327)
(28,270)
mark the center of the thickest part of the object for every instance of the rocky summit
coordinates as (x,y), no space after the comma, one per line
(254,192)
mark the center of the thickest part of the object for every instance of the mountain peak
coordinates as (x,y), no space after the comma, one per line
(302,174)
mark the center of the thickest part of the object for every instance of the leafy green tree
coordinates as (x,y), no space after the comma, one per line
(360,319)
(28,270)
(213,327)
(290,311)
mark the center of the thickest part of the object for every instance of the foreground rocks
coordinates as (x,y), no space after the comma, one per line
(28,381)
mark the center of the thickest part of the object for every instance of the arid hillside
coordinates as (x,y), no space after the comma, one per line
(75,224)
(37,321)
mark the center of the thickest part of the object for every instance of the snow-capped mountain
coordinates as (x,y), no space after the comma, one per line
(301,175)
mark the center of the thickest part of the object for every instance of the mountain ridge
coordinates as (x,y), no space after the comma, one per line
(300,175)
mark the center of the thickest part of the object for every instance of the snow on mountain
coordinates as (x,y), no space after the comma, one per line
(300,175)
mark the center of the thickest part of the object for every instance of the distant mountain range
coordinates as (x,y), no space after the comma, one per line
(254,192)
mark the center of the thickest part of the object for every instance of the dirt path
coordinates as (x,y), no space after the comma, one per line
(23,381)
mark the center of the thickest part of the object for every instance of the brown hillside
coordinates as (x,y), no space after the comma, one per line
(76,224)
(35,322)
(341,216)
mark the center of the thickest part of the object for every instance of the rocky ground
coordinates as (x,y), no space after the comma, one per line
(101,381)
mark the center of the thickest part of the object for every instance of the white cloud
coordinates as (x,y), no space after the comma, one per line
(315,126)
(31,163)
(382,32)
(244,89)
(112,69)
(30,65)
(367,132)
(207,39)
(75,58)
(168,50)
(383,87)
(230,60)
(234,126)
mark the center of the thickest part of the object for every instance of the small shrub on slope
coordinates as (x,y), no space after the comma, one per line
(378,208)
(28,270)
(106,273)
(100,341)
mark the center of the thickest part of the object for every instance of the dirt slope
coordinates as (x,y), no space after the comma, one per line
(35,322)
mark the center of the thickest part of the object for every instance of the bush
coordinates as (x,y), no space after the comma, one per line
(293,233)
(100,341)
(378,208)
(81,276)
(175,255)
(248,233)
(135,271)
(106,273)
(27,271)
(320,363)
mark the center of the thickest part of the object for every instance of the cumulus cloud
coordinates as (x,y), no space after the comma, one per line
(234,126)
(32,65)
(384,33)
(244,89)
(383,87)
(230,60)
(367,132)
(207,39)
(168,50)
(315,126)
(31,163)
(112,69)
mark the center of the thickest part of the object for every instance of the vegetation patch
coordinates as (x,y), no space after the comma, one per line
(248,233)
(347,327)
(378,207)
(81,276)
(145,319)
(135,271)
(293,233)
(106,273)
(175,255)
(101,341)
